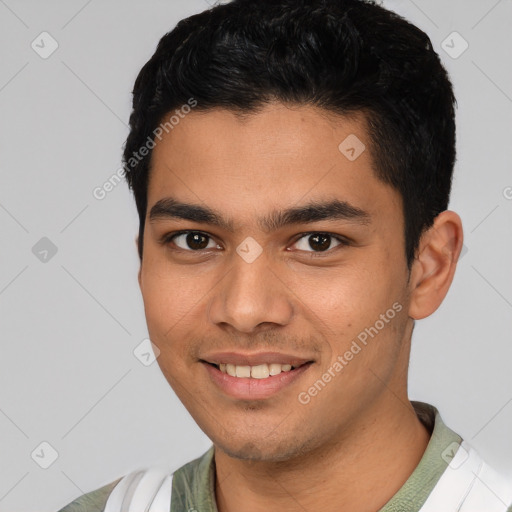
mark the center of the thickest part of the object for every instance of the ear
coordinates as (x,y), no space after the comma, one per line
(139,278)
(434,266)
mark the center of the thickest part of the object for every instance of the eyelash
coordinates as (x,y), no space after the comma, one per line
(343,242)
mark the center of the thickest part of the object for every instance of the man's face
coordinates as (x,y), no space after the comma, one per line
(253,287)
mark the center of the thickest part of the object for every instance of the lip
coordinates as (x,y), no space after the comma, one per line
(241,359)
(254,389)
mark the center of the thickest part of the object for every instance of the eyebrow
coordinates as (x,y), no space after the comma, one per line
(170,208)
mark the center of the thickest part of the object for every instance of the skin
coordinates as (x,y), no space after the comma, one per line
(278,453)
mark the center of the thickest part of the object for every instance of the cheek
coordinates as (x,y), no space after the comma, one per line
(168,295)
(362,300)
(341,297)
(175,306)
(166,311)
(166,320)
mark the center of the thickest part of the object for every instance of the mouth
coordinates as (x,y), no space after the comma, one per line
(235,377)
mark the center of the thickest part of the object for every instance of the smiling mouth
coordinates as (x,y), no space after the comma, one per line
(260,371)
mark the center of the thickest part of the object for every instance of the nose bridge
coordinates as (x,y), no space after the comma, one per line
(251,295)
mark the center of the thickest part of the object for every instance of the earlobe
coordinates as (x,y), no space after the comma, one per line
(434,267)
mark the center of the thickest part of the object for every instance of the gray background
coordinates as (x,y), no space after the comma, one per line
(70,323)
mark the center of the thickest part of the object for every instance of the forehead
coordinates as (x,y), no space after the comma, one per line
(275,158)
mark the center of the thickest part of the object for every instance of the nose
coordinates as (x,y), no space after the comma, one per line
(251,298)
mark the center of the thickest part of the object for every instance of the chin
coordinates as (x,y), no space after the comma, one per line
(263,449)
(252,451)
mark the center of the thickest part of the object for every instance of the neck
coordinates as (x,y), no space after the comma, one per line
(346,475)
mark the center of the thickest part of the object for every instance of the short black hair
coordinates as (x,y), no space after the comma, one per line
(344,56)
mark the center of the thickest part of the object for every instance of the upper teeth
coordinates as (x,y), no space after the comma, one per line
(261,371)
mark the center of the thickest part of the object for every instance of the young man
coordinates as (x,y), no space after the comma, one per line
(291,162)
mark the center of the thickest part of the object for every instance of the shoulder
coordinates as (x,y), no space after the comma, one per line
(93,501)
(469,484)
(140,488)
(156,488)
(452,475)
(152,487)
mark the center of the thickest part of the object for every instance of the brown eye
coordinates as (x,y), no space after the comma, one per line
(193,241)
(318,242)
